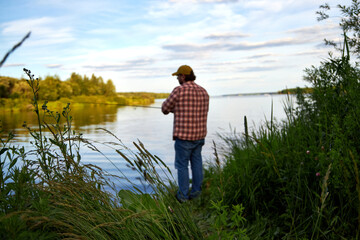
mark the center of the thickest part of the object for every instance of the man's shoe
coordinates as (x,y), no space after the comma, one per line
(180,200)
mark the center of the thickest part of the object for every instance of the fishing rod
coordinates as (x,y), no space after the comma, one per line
(121,104)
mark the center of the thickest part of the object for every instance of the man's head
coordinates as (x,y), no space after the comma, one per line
(184,74)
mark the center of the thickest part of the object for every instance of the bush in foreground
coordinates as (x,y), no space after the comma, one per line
(299,179)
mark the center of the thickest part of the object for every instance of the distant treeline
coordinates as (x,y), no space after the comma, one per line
(143,95)
(295,90)
(15,94)
(52,88)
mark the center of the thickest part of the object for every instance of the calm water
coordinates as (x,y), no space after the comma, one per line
(153,128)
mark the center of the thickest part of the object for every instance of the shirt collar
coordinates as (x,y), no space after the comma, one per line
(188,83)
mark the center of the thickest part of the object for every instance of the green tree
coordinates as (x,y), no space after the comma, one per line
(349,23)
(49,88)
(21,90)
(6,86)
(94,85)
(109,88)
(66,90)
(76,84)
(86,84)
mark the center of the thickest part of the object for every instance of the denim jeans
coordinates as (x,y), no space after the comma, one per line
(185,152)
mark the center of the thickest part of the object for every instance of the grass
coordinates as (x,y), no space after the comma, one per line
(298,179)
(52,195)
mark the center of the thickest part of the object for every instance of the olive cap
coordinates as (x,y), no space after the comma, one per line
(184,69)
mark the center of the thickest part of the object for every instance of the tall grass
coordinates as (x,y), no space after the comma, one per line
(47,193)
(299,179)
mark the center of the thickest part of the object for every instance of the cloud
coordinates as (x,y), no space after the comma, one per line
(232,79)
(15,65)
(268,44)
(53,65)
(261,55)
(316,32)
(261,68)
(204,1)
(276,6)
(187,55)
(234,46)
(226,63)
(76,6)
(225,36)
(308,53)
(190,47)
(125,66)
(44,30)
(104,31)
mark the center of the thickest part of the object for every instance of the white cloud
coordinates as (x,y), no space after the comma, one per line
(171,9)
(226,36)
(262,55)
(14,65)
(44,30)
(234,46)
(75,6)
(54,65)
(269,6)
(204,1)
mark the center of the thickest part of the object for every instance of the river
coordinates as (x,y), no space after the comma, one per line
(152,128)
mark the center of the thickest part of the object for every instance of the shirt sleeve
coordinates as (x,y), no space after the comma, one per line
(169,104)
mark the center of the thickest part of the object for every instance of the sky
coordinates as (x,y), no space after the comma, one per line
(233,46)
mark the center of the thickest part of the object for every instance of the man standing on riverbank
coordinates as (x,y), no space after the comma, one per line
(189,103)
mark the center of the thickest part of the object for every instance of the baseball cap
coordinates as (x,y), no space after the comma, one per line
(184,69)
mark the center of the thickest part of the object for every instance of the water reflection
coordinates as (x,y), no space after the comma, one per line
(82,116)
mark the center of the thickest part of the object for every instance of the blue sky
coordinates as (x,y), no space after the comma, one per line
(234,46)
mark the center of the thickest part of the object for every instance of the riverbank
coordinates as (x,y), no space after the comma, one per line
(299,178)
(119,99)
(15,94)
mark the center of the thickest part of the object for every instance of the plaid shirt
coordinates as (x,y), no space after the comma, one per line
(190,105)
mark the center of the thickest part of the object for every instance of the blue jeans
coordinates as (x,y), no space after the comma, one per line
(186,151)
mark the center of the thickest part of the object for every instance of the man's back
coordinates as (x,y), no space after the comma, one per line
(190,104)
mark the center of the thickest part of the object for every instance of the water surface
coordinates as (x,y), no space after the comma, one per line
(152,128)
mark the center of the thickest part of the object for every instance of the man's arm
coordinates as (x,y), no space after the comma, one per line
(169,104)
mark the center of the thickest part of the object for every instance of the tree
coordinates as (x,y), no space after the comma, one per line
(109,88)
(50,88)
(21,90)
(350,24)
(76,83)
(6,86)
(66,89)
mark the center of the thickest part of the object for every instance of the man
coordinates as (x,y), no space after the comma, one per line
(189,103)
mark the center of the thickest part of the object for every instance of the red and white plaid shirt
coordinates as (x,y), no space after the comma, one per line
(190,105)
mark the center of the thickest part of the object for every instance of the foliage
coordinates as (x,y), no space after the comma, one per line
(299,179)
(77,90)
(53,88)
(305,90)
(143,95)
(229,223)
(349,23)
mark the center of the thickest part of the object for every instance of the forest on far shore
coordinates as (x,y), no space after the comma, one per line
(16,94)
(52,88)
